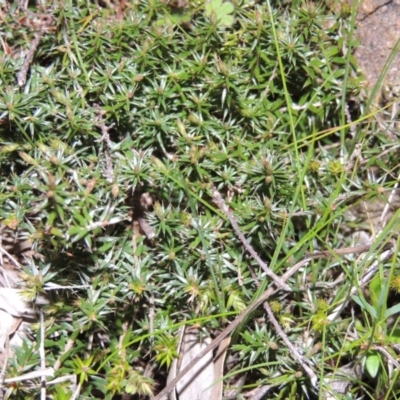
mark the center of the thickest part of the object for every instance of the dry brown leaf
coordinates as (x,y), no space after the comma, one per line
(197,384)
(219,362)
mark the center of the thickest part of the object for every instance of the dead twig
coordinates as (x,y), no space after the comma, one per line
(10,257)
(21,76)
(69,345)
(105,138)
(42,355)
(222,205)
(302,360)
(339,252)
(258,393)
(382,219)
(45,22)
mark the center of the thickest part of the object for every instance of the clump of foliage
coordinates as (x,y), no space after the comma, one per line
(109,150)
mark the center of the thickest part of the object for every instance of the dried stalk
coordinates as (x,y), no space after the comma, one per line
(222,205)
(21,76)
(105,138)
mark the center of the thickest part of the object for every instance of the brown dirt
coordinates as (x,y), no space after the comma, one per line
(378,29)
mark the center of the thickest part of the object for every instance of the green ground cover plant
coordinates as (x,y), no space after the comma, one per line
(114,137)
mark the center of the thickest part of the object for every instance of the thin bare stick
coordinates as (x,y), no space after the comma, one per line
(382,219)
(42,357)
(70,343)
(2,227)
(387,355)
(21,76)
(107,147)
(109,174)
(355,157)
(258,393)
(30,375)
(152,314)
(339,252)
(219,201)
(6,352)
(352,127)
(77,392)
(302,360)
(10,257)
(146,228)
(45,23)
(121,347)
